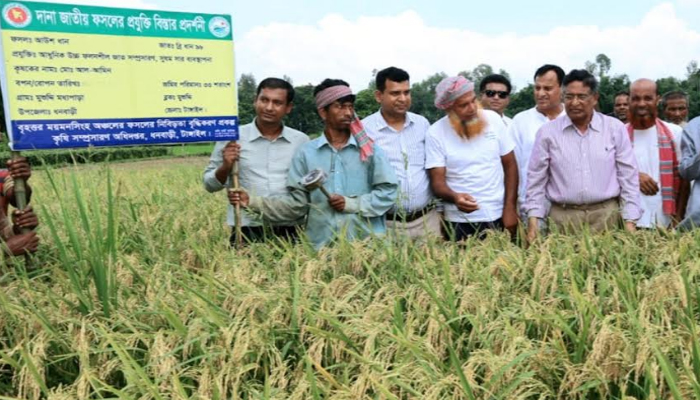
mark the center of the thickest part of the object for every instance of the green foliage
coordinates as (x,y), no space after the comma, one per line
(247,88)
(304,116)
(138,297)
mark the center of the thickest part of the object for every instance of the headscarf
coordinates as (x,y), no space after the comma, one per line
(329,95)
(450,89)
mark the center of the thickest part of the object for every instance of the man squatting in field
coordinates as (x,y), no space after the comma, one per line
(16,243)
(401,134)
(362,181)
(265,151)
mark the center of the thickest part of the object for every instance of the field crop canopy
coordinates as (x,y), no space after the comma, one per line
(78,76)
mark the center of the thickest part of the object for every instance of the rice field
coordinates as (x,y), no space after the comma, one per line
(138,297)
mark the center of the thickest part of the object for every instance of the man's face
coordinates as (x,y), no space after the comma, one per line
(621,107)
(495,97)
(643,101)
(339,115)
(579,101)
(271,106)
(676,111)
(547,92)
(465,107)
(395,100)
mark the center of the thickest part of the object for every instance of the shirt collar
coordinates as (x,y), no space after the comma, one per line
(323,141)
(382,124)
(257,135)
(596,123)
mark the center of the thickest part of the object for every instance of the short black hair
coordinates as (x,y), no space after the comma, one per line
(550,67)
(393,74)
(622,93)
(583,76)
(334,82)
(495,78)
(277,83)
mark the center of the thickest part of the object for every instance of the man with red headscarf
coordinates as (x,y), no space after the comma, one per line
(471,163)
(657,148)
(361,183)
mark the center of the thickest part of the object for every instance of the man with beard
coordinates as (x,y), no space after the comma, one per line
(675,105)
(621,106)
(401,134)
(657,149)
(361,180)
(583,165)
(471,163)
(525,125)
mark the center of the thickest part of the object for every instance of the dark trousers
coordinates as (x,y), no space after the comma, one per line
(260,234)
(456,231)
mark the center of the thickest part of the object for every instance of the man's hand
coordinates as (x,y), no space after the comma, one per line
(25,219)
(238,197)
(510,220)
(631,226)
(22,244)
(19,168)
(230,154)
(465,203)
(647,185)
(337,202)
(532,229)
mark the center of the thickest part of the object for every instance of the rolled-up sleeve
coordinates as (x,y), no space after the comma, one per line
(211,184)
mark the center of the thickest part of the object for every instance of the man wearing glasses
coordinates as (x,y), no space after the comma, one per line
(495,95)
(584,164)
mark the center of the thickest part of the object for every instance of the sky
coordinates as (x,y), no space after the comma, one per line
(312,40)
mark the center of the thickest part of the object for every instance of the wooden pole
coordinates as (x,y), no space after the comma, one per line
(238,223)
(21,201)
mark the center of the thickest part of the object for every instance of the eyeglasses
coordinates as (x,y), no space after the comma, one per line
(491,93)
(581,97)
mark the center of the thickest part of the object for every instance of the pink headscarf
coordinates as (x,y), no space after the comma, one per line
(450,89)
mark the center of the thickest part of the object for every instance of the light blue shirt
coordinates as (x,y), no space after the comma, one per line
(263,167)
(689,169)
(405,150)
(369,189)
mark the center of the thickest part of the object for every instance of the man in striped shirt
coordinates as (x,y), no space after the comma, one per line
(401,134)
(583,163)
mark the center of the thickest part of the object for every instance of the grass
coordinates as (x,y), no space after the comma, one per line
(138,298)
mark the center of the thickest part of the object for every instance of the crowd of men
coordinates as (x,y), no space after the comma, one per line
(560,166)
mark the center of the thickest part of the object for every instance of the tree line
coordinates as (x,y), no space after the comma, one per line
(305,118)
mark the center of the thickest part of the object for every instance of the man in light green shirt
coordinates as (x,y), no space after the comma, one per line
(265,149)
(362,181)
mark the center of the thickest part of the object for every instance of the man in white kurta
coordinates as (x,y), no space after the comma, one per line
(644,126)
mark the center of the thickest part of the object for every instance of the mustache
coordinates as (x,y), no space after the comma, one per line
(642,121)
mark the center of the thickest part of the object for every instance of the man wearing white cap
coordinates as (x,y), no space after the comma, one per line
(471,163)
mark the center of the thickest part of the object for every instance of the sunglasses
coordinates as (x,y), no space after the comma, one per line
(491,93)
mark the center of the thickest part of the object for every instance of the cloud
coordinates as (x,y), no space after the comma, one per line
(660,45)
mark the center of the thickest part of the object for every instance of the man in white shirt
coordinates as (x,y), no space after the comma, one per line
(657,148)
(265,149)
(523,129)
(401,134)
(495,95)
(471,163)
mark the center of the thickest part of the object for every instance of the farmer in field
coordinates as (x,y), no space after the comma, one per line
(16,243)
(265,151)
(471,163)
(657,148)
(523,129)
(495,95)
(690,170)
(583,163)
(675,106)
(362,182)
(401,134)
